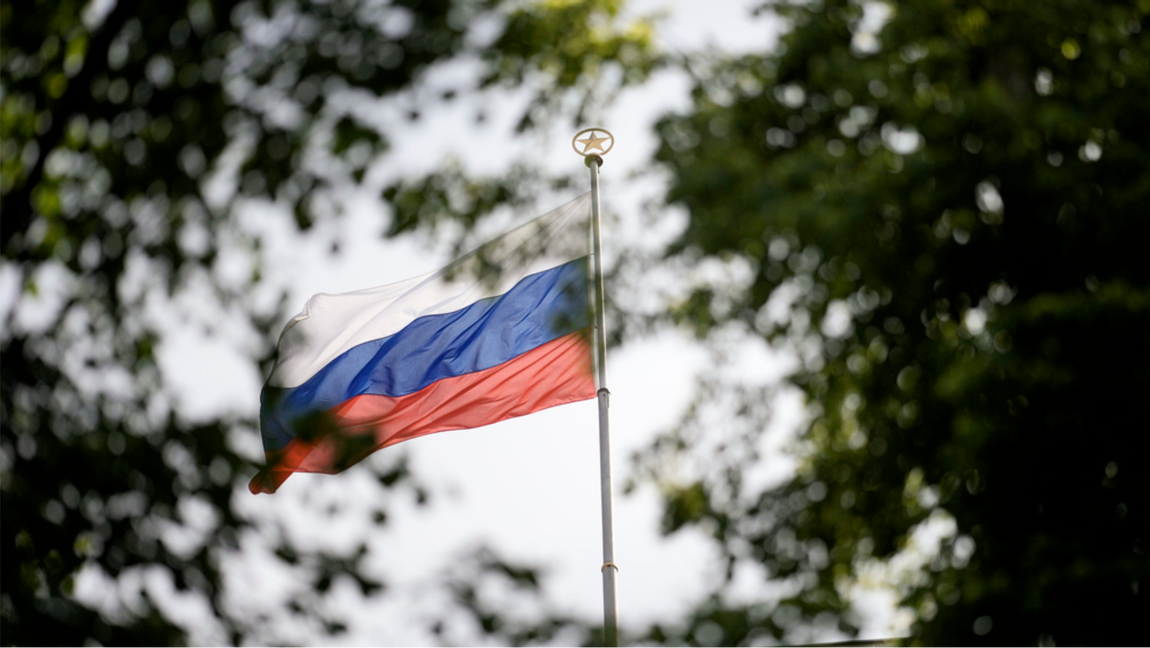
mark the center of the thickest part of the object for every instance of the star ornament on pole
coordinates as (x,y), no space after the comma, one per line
(598,141)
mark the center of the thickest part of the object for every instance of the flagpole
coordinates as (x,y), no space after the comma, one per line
(609,568)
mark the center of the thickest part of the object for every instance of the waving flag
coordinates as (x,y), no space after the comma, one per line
(501,332)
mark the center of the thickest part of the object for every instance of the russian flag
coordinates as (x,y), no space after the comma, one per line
(502,332)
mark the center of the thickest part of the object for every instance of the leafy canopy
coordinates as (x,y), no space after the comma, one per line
(133,132)
(941,210)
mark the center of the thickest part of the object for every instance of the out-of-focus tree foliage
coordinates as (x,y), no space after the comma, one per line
(938,207)
(942,207)
(129,130)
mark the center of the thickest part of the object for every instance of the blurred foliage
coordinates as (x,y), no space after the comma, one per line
(942,206)
(131,130)
(936,207)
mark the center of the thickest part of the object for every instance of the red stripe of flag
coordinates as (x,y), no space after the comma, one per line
(555,373)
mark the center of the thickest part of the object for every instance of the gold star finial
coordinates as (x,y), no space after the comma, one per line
(593,144)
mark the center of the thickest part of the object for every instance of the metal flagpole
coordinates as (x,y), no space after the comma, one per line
(593,146)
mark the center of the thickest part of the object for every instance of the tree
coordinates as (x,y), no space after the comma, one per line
(132,131)
(935,208)
(939,208)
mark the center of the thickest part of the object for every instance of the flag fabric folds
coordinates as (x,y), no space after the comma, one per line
(501,332)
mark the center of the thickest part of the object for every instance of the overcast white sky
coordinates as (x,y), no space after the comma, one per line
(528,487)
